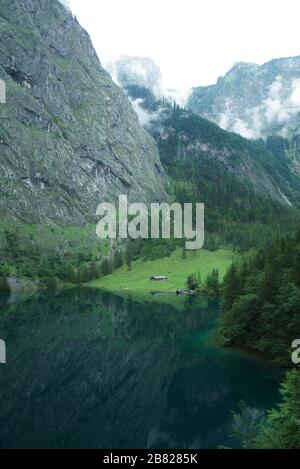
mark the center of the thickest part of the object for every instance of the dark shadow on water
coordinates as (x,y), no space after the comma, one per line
(90,369)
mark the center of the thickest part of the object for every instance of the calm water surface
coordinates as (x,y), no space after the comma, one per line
(87,369)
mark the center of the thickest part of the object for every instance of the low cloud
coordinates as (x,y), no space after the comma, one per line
(250,128)
(295,96)
(146,118)
(143,72)
(66,4)
(279,108)
(138,71)
(179,96)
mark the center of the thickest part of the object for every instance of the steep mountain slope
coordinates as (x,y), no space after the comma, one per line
(249,163)
(269,169)
(254,101)
(247,191)
(250,189)
(261,301)
(69,138)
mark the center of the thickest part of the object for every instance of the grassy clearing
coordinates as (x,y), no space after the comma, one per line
(49,254)
(174,267)
(54,238)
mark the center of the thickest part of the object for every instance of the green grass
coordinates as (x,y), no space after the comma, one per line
(53,238)
(174,267)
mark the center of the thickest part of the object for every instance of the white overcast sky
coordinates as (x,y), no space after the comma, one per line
(192,41)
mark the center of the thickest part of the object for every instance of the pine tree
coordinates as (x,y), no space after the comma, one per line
(231,288)
(95,270)
(106,267)
(51,283)
(118,260)
(212,283)
(282,428)
(128,258)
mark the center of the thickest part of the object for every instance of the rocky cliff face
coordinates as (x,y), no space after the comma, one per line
(254,101)
(69,138)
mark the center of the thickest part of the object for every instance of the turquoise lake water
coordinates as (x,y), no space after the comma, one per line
(89,369)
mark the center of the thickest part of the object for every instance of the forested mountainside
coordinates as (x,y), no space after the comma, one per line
(255,101)
(261,301)
(239,182)
(270,168)
(69,138)
(245,185)
(261,312)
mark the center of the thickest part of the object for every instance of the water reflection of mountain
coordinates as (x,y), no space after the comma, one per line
(91,369)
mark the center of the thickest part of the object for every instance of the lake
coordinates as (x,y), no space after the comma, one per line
(89,369)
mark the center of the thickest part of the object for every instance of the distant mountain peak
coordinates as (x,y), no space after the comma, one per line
(254,100)
(243,66)
(137,71)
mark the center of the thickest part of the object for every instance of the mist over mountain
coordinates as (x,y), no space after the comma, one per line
(254,101)
(137,71)
(69,138)
(113,321)
(251,100)
(269,168)
(134,74)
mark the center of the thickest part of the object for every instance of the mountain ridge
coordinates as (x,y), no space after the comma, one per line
(69,137)
(270,169)
(254,100)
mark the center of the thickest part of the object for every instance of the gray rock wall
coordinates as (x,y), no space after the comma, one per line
(69,138)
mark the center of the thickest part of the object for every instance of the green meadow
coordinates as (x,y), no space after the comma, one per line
(175,267)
